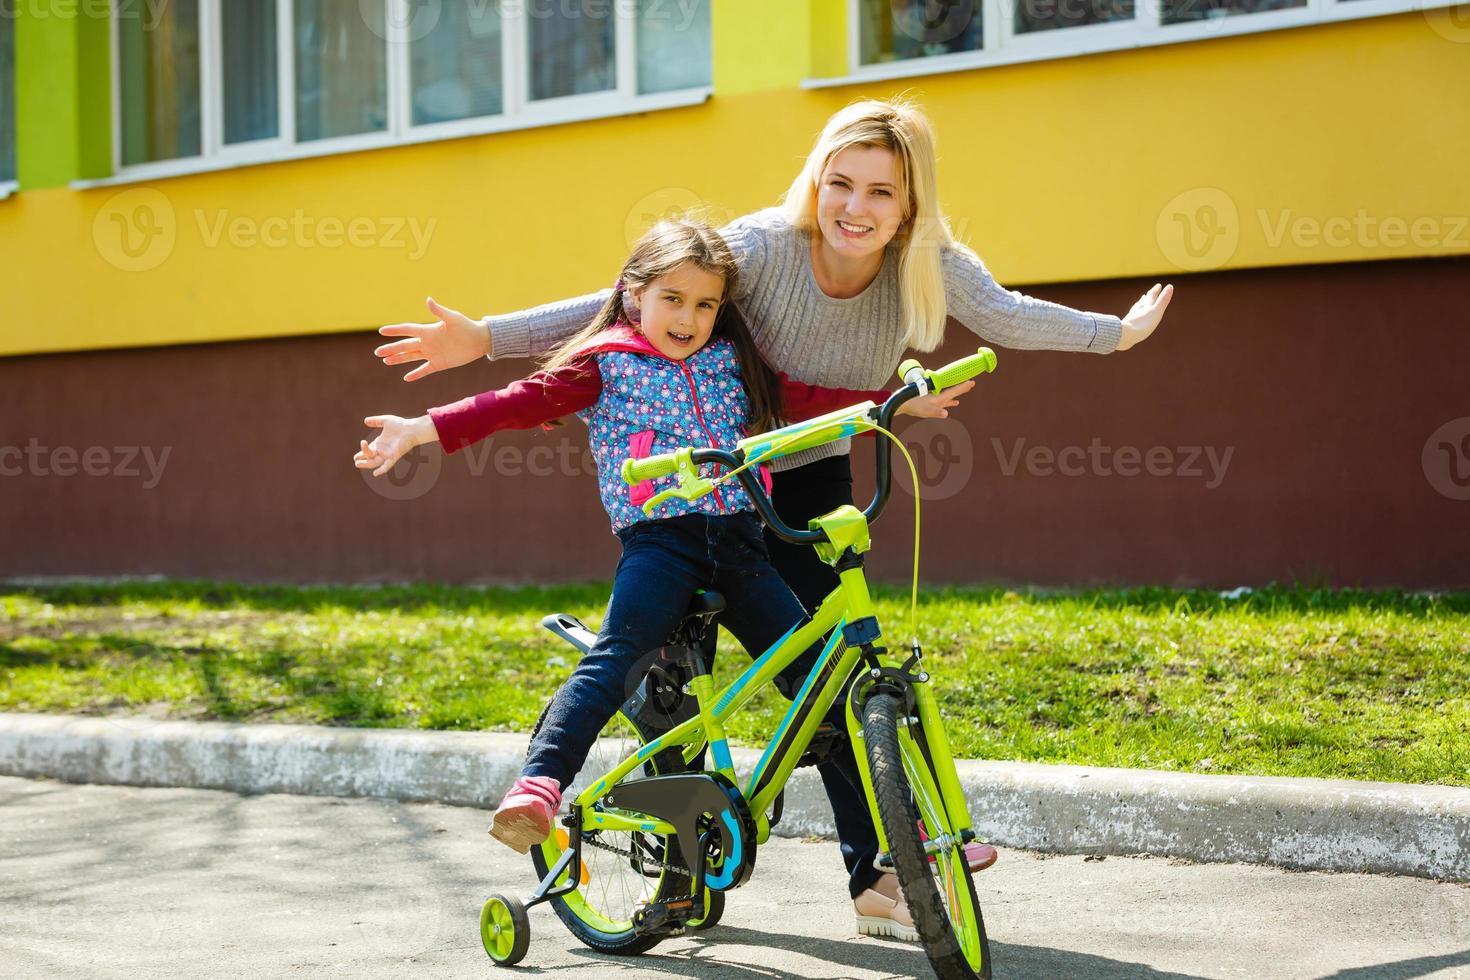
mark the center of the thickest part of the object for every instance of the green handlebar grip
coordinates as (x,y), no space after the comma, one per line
(964,369)
(635,471)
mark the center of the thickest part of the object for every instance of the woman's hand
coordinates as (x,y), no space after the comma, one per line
(935,406)
(454,340)
(1145,315)
(399,435)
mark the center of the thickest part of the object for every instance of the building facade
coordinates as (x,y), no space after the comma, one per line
(210,205)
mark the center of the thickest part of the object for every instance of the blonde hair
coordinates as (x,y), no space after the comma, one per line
(901,127)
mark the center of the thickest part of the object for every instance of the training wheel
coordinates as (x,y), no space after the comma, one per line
(714,907)
(505,929)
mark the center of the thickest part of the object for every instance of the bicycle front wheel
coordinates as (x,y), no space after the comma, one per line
(936,881)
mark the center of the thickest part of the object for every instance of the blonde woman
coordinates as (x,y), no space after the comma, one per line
(854,266)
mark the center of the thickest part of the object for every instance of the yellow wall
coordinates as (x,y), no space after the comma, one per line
(1080,168)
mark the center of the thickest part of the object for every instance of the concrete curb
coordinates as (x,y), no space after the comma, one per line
(1335,825)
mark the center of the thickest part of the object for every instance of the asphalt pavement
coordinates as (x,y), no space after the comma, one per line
(118,881)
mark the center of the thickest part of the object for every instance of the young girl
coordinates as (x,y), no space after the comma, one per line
(667,362)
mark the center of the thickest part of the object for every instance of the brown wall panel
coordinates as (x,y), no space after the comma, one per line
(1316,389)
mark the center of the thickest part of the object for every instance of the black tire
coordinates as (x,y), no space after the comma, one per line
(900,819)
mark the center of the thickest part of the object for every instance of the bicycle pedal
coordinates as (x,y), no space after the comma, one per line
(665,918)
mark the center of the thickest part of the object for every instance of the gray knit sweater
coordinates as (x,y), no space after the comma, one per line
(847,343)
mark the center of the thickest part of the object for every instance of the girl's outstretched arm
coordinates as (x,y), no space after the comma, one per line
(542,398)
(454,339)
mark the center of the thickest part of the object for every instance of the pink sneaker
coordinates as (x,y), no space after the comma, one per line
(525,816)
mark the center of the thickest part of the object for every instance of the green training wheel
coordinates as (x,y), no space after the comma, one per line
(505,929)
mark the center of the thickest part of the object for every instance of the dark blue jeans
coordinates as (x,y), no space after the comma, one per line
(663,563)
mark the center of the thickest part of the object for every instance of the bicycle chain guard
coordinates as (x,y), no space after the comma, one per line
(681,799)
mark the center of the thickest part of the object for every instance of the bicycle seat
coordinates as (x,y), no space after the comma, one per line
(706,602)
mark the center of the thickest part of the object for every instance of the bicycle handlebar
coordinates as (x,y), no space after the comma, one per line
(649,468)
(917,382)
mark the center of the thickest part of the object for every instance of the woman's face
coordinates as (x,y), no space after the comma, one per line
(677,310)
(858,209)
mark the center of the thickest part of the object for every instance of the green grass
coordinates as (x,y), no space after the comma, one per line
(1278,682)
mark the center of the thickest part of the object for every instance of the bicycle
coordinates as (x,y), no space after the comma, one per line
(649,848)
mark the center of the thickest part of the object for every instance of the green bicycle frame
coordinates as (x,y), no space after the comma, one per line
(849,602)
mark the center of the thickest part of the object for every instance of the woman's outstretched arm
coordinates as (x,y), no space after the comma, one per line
(454,339)
(1012,319)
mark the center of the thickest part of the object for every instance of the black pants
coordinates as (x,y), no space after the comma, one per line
(799,495)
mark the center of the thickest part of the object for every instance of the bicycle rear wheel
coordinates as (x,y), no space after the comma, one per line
(940,894)
(620,870)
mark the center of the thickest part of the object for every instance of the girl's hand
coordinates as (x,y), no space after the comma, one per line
(399,435)
(453,340)
(936,406)
(1145,315)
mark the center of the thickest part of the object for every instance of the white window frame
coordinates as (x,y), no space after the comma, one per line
(1003,46)
(518,111)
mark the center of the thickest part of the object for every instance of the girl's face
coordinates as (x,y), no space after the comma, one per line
(678,309)
(858,210)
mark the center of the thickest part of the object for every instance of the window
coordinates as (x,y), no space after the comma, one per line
(341,68)
(7,91)
(248,58)
(1180,11)
(1049,15)
(249,80)
(571,50)
(159,82)
(894,30)
(674,46)
(906,37)
(456,67)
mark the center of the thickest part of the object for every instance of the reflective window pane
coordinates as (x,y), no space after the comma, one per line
(673,45)
(341,68)
(248,44)
(158,80)
(571,48)
(455,55)
(1184,11)
(1049,15)
(7,91)
(896,30)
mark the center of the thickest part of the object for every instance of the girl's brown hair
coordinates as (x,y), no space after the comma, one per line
(665,247)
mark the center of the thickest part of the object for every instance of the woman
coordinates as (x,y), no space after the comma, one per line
(855,265)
